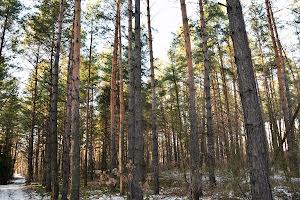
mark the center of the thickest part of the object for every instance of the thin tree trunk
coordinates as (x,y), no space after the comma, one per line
(91,164)
(237,125)
(53,108)
(131,95)
(219,107)
(131,113)
(183,158)
(67,125)
(3,35)
(210,132)
(88,136)
(113,100)
(256,135)
(178,113)
(48,149)
(225,91)
(273,123)
(75,123)
(153,110)
(284,92)
(167,135)
(121,114)
(33,122)
(203,146)
(196,185)
(37,156)
(105,139)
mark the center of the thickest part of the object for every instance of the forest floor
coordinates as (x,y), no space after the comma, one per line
(17,190)
(173,187)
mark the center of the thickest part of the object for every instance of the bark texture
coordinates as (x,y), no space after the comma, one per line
(153,109)
(29,177)
(196,185)
(75,123)
(53,107)
(254,125)
(211,160)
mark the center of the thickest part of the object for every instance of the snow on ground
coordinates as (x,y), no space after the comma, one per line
(283,178)
(284,193)
(99,195)
(17,190)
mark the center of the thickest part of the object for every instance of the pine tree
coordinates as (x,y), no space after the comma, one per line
(75,124)
(256,135)
(196,185)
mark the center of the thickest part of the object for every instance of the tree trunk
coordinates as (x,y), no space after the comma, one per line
(33,122)
(196,185)
(225,91)
(105,138)
(3,35)
(91,165)
(210,132)
(67,125)
(48,148)
(88,129)
(113,100)
(256,135)
(37,156)
(53,108)
(273,124)
(155,163)
(136,148)
(131,113)
(177,155)
(121,114)
(237,126)
(203,144)
(284,92)
(75,122)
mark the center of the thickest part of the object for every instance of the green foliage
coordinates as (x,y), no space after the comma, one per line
(9,12)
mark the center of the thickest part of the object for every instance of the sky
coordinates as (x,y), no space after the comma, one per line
(166,19)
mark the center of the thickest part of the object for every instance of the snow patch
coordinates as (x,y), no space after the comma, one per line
(17,190)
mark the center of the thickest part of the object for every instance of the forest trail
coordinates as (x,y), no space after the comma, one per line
(17,190)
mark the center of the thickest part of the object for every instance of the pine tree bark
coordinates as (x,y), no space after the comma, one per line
(53,107)
(48,148)
(121,114)
(88,141)
(75,122)
(196,185)
(67,125)
(256,135)
(131,96)
(210,132)
(155,163)
(113,100)
(29,178)
(135,184)
(131,114)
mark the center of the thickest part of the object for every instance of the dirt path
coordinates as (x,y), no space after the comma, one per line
(17,190)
